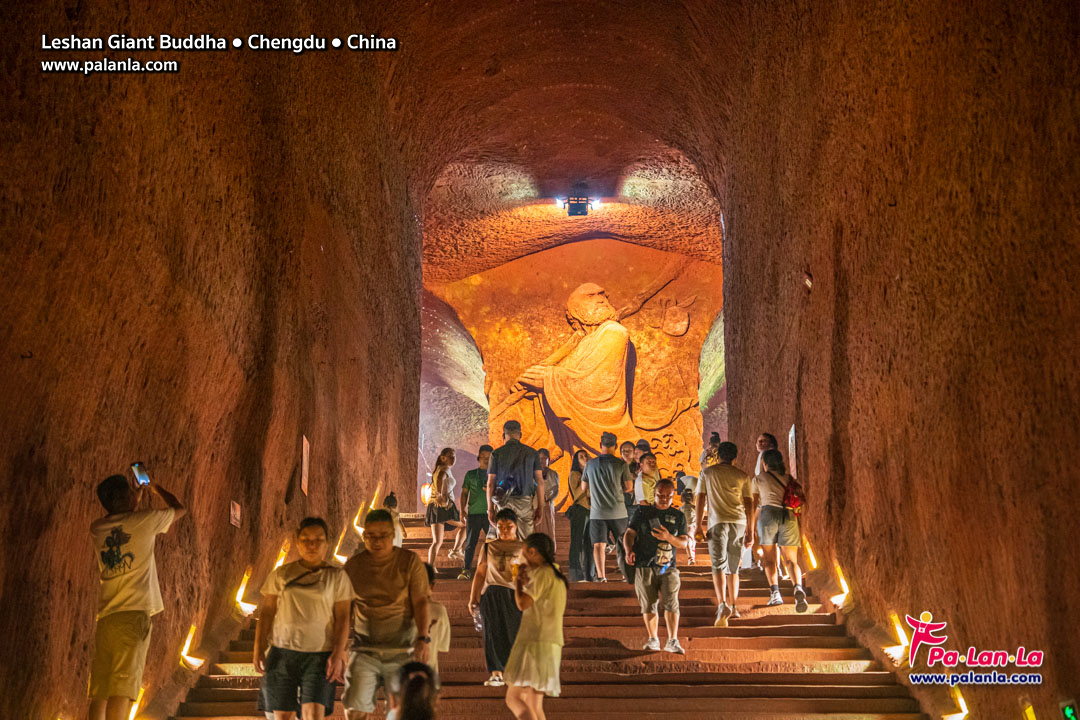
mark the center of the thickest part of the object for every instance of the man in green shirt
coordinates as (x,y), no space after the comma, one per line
(474,507)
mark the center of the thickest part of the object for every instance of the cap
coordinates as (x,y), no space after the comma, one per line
(643,445)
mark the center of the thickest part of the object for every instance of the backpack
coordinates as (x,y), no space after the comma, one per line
(506,487)
(794,498)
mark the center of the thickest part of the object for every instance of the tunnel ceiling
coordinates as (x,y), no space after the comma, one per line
(484,214)
(603,94)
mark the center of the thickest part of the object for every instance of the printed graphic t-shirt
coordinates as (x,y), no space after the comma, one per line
(305,612)
(382,611)
(648,550)
(124,546)
(476,483)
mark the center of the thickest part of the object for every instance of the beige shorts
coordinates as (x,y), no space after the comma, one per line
(367,672)
(654,589)
(120,643)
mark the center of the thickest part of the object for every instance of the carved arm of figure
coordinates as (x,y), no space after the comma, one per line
(533,378)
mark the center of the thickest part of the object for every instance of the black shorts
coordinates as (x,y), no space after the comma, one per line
(599,529)
(437,515)
(289,670)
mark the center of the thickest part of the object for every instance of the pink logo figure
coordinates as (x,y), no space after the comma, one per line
(922,633)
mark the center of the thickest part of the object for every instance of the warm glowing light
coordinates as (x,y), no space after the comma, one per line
(193,662)
(340,558)
(898,653)
(284,553)
(960,704)
(1029,712)
(560,203)
(356,520)
(246,608)
(376,496)
(425,493)
(901,634)
(810,554)
(135,705)
(838,600)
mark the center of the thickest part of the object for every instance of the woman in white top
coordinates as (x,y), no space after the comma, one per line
(533,668)
(442,509)
(777,528)
(302,630)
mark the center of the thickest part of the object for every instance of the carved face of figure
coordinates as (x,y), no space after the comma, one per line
(589,306)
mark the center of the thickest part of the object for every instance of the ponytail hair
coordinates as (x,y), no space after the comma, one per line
(773,460)
(418,691)
(545,546)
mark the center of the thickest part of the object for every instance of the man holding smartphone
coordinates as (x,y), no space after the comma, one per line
(652,542)
(130,596)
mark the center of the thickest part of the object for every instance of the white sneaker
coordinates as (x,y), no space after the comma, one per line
(494,681)
(653,645)
(722,615)
(775,599)
(673,646)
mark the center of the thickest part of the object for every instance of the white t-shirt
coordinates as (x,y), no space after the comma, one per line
(690,483)
(440,633)
(771,491)
(124,544)
(305,610)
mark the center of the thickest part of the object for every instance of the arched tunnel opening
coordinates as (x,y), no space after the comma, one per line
(284,278)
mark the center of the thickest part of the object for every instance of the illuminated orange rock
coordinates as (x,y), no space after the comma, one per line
(567,364)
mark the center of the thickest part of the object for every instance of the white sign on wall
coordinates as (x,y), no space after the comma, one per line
(234,514)
(791,451)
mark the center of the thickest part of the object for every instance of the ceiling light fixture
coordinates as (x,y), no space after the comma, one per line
(577,205)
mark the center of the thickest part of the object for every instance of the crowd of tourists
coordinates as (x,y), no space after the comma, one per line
(373,623)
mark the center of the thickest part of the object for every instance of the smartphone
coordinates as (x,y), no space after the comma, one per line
(654,523)
(140,474)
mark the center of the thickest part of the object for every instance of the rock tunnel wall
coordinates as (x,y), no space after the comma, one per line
(919,161)
(194,267)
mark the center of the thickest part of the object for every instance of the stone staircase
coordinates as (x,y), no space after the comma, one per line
(771,663)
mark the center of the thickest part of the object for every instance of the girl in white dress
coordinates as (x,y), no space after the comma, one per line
(533,668)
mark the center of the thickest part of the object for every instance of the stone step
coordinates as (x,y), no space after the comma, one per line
(626,705)
(561,712)
(770,664)
(621,659)
(869,678)
(638,689)
(631,639)
(465,628)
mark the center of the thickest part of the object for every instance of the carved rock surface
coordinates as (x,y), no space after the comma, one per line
(517,314)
